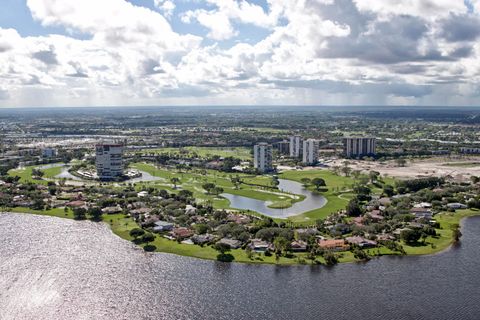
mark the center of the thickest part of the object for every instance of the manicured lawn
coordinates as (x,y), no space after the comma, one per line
(437,244)
(204,152)
(193,181)
(335,185)
(55,212)
(25,174)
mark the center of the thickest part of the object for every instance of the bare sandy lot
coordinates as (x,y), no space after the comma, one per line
(460,168)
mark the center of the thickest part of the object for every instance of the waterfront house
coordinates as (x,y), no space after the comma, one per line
(422,213)
(298,246)
(232,243)
(333,245)
(456,206)
(361,242)
(181,233)
(258,245)
(160,226)
(203,238)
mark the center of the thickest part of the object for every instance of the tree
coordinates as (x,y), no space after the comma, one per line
(174,181)
(216,191)
(147,238)
(221,247)
(410,236)
(456,233)
(401,162)
(330,258)
(305,181)
(37,173)
(281,245)
(475,179)
(373,176)
(353,208)
(38,204)
(79,213)
(275,181)
(95,213)
(208,187)
(318,182)
(360,254)
(136,232)
(388,190)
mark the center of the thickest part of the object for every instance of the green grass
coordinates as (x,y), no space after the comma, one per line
(204,152)
(335,201)
(25,174)
(54,212)
(445,238)
(193,181)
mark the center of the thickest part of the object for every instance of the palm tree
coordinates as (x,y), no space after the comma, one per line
(174,181)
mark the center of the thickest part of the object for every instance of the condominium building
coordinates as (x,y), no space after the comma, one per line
(262,157)
(49,152)
(355,147)
(296,146)
(109,160)
(283,147)
(466,150)
(310,151)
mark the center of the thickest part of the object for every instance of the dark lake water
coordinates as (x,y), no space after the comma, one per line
(53,268)
(312,201)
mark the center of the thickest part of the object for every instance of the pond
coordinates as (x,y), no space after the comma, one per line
(312,201)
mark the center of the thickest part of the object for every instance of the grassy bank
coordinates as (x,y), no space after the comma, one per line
(25,174)
(204,152)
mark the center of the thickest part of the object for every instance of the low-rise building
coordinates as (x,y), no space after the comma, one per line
(162,226)
(333,244)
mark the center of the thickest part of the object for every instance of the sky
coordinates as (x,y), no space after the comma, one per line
(238,52)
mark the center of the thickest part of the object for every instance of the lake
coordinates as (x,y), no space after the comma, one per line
(54,268)
(312,201)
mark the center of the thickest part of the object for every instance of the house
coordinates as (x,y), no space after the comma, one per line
(161,226)
(203,238)
(142,194)
(232,243)
(238,218)
(181,233)
(385,237)
(298,246)
(422,213)
(375,215)
(333,244)
(361,242)
(112,210)
(307,232)
(358,221)
(139,211)
(190,210)
(259,245)
(424,205)
(76,204)
(457,205)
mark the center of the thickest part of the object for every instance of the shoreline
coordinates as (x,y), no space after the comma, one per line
(163,245)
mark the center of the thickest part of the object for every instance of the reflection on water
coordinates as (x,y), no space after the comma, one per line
(312,201)
(53,268)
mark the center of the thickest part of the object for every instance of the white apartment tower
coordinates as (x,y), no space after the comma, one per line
(109,160)
(295,146)
(262,157)
(310,151)
(354,147)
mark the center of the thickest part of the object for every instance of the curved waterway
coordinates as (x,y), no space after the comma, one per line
(52,268)
(312,201)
